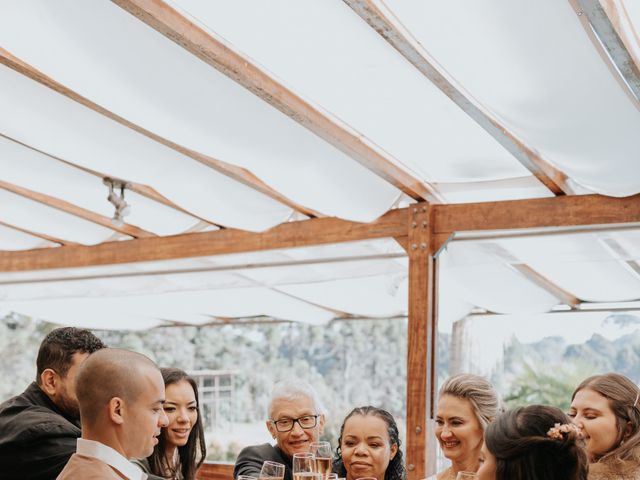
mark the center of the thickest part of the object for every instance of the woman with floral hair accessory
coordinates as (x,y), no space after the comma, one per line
(605,408)
(537,442)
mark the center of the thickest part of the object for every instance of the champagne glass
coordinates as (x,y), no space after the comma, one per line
(322,451)
(304,466)
(271,471)
(246,477)
(466,476)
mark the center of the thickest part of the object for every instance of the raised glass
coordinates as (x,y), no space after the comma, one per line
(272,471)
(322,451)
(304,467)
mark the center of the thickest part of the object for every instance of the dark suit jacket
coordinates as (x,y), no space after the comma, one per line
(250,460)
(36,440)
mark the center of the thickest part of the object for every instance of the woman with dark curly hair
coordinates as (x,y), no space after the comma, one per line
(537,442)
(181,445)
(369,446)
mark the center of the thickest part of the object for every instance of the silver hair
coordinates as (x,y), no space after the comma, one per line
(294,389)
(479,391)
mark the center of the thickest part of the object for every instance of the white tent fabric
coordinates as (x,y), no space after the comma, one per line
(534,68)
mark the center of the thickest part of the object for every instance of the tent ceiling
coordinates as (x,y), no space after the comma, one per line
(89,91)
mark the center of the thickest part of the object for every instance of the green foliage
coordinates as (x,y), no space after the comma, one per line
(547,386)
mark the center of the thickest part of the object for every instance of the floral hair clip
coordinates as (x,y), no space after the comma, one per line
(559,429)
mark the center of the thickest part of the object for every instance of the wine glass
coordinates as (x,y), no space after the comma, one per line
(271,471)
(322,451)
(246,477)
(304,466)
(466,476)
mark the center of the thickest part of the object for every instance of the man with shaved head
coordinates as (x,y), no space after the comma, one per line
(121,394)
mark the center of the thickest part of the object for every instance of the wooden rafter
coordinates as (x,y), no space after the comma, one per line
(596,22)
(565,211)
(234,172)
(216,53)
(75,210)
(138,188)
(42,236)
(391,29)
(534,276)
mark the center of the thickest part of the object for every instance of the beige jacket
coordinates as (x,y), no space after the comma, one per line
(603,471)
(88,468)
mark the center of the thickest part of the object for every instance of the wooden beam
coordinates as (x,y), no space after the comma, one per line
(138,188)
(383,21)
(565,211)
(625,28)
(43,236)
(317,231)
(543,282)
(75,210)
(234,172)
(218,54)
(596,22)
(422,340)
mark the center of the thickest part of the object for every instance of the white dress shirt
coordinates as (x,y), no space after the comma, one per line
(91,448)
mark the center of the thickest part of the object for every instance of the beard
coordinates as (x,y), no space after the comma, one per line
(69,408)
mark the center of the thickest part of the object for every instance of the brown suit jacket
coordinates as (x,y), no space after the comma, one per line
(88,468)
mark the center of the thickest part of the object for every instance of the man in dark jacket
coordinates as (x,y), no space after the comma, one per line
(296,419)
(39,428)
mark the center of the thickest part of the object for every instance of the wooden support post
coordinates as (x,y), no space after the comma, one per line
(421,351)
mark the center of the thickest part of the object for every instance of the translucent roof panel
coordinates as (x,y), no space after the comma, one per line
(44,119)
(107,55)
(537,70)
(187,307)
(354,74)
(12,239)
(33,170)
(312,284)
(482,281)
(37,217)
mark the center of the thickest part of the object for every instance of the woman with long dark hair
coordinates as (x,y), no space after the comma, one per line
(606,408)
(537,442)
(369,446)
(181,446)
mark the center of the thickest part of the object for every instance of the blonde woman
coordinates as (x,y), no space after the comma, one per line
(466,405)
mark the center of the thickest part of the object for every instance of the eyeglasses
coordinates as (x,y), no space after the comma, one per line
(286,424)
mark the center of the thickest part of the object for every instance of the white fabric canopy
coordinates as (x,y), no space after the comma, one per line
(532,68)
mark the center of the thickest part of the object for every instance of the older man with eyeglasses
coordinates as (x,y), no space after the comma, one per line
(296,420)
